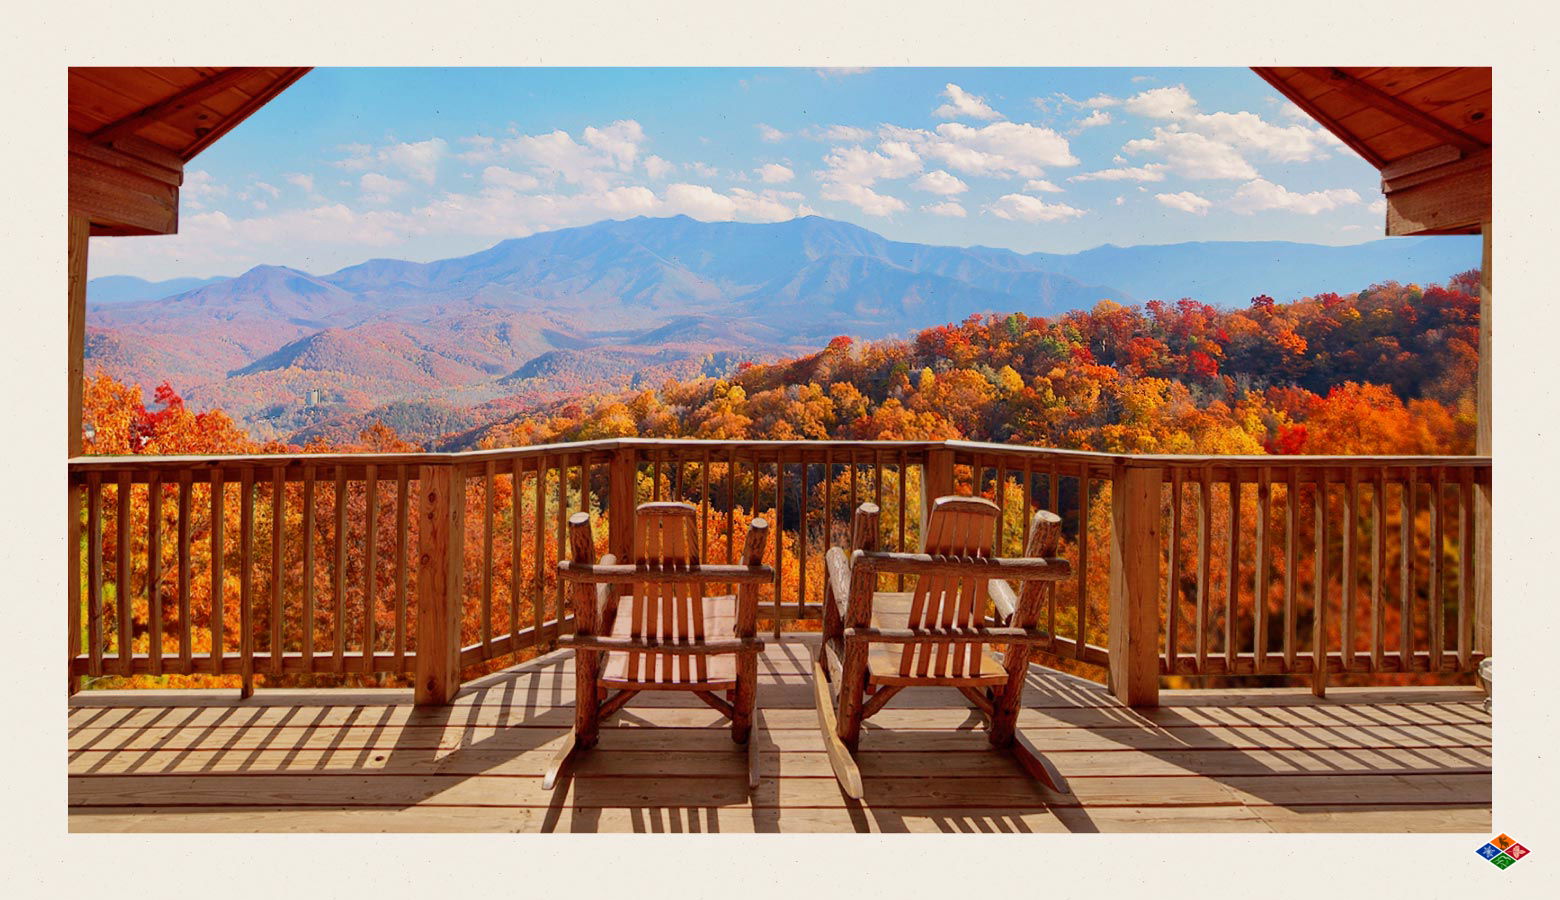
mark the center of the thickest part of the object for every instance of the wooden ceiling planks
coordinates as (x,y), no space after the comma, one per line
(132,129)
(1428,128)
(182,109)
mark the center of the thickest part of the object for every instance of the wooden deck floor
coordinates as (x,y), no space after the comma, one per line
(1391,760)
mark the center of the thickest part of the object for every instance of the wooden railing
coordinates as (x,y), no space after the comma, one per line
(420,566)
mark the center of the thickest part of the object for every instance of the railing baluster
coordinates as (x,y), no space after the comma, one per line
(903,478)
(1232,586)
(1436,612)
(94,575)
(516,544)
(371,565)
(186,650)
(487,553)
(1350,572)
(1464,569)
(1291,567)
(403,498)
(704,507)
(246,572)
(339,573)
(779,535)
(218,546)
(1204,565)
(1319,591)
(1408,505)
(801,540)
(731,503)
(154,612)
(538,551)
(1262,577)
(125,626)
(1378,567)
(308,568)
(1083,560)
(278,545)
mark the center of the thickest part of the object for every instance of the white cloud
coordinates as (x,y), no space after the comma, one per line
(379,188)
(1260,194)
(842,133)
(863,198)
(940,182)
(1002,149)
(1101,101)
(707,204)
(703,169)
(854,165)
(774,173)
(1042,185)
(508,178)
(1162,103)
(1193,155)
(1150,172)
(656,167)
(1242,131)
(619,141)
(298,179)
(1186,201)
(964,105)
(1121,201)
(1024,208)
(1378,206)
(770,133)
(418,160)
(200,188)
(945,208)
(1092,120)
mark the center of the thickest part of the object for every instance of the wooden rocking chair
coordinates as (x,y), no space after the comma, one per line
(673,637)
(877,643)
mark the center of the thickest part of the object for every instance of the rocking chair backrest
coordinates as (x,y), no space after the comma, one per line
(666,536)
(957,527)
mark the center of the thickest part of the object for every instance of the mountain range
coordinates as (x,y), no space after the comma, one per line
(601,306)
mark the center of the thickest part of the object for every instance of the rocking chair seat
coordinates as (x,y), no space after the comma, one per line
(720,621)
(891,609)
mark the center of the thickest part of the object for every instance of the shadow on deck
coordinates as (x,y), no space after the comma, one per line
(1388,759)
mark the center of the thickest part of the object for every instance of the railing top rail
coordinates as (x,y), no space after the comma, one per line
(84,464)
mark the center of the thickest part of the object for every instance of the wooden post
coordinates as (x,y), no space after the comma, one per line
(1483,519)
(1045,533)
(747,626)
(440,541)
(622,496)
(1134,585)
(936,481)
(582,550)
(75,364)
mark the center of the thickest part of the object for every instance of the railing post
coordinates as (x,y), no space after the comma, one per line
(936,481)
(622,492)
(440,552)
(1134,585)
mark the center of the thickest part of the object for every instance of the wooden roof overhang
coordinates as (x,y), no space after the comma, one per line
(132,129)
(1426,128)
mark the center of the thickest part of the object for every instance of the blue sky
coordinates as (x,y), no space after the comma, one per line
(426,163)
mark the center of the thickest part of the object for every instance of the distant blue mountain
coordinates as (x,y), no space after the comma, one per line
(128,288)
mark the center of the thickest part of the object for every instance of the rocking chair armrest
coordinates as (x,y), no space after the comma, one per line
(837,564)
(1003,597)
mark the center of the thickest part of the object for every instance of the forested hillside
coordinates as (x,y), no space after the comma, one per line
(1390,369)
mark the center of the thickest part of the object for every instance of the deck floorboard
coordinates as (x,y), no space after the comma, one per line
(1362,759)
